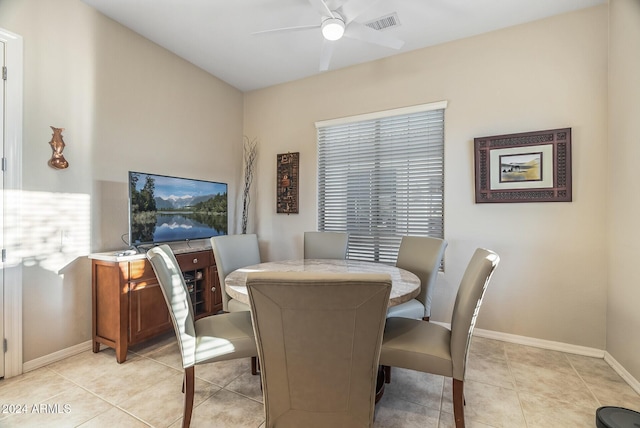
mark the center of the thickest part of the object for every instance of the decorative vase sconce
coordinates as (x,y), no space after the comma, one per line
(57,160)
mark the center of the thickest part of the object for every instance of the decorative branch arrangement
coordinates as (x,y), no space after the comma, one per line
(249,154)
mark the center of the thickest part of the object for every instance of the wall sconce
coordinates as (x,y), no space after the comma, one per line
(57,160)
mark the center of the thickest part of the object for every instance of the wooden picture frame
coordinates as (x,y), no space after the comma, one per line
(287,183)
(524,167)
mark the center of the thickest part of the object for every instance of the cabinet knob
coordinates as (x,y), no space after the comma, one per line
(195,261)
(213,289)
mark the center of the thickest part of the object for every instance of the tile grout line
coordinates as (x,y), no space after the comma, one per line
(221,387)
(515,386)
(583,381)
(105,399)
(111,405)
(441,403)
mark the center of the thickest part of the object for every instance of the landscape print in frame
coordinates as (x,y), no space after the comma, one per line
(524,167)
(521,167)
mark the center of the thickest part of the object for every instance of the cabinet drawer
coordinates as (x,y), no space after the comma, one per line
(193,261)
(141,270)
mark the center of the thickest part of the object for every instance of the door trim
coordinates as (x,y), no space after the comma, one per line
(13,183)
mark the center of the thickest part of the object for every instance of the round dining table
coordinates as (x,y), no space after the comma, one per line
(404,284)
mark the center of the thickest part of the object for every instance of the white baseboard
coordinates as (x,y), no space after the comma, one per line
(563,347)
(624,374)
(56,356)
(540,343)
(558,346)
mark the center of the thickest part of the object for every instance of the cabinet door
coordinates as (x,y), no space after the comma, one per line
(216,291)
(196,268)
(148,313)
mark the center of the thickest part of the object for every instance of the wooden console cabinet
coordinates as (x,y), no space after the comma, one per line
(128,305)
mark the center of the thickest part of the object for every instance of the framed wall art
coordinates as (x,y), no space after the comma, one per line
(287,183)
(525,167)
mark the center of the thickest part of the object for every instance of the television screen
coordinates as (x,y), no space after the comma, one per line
(166,209)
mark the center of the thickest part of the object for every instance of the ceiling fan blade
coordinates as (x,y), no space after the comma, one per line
(287,29)
(363,33)
(321,7)
(354,8)
(325,54)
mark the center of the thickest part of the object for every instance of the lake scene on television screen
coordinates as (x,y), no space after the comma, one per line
(165,209)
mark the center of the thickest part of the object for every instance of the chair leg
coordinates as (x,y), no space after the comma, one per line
(458,402)
(189,386)
(255,366)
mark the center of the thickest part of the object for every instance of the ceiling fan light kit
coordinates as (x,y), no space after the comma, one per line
(333,28)
(336,23)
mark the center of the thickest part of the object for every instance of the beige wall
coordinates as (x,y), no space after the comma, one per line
(551,283)
(126,104)
(129,104)
(623,316)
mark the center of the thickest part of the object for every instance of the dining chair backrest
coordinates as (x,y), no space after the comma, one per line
(232,252)
(325,245)
(318,339)
(175,292)
(422,255)
(467,305)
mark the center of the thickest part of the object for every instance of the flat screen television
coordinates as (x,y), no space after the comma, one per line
(169,209)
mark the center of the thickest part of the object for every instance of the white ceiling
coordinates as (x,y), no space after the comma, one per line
(216,35)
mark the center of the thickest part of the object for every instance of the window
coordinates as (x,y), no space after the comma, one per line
(381,176)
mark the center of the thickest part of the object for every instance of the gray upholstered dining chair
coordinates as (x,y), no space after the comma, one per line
(432,348)
(325,245)
(206,340)
(232,252)
(421,255)
(318,339)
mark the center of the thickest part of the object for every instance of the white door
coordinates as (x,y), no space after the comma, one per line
(2,194)
(11,59)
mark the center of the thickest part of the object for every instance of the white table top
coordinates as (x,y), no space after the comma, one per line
(404,284)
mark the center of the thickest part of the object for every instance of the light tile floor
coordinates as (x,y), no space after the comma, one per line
(507,385)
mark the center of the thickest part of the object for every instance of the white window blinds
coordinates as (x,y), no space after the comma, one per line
(380,177)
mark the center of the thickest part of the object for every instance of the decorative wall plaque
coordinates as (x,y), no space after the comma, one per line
(287,183)
(525,167)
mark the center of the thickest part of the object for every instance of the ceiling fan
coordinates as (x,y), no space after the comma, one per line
(338,22)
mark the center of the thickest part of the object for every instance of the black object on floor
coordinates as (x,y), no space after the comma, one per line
(617,417)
